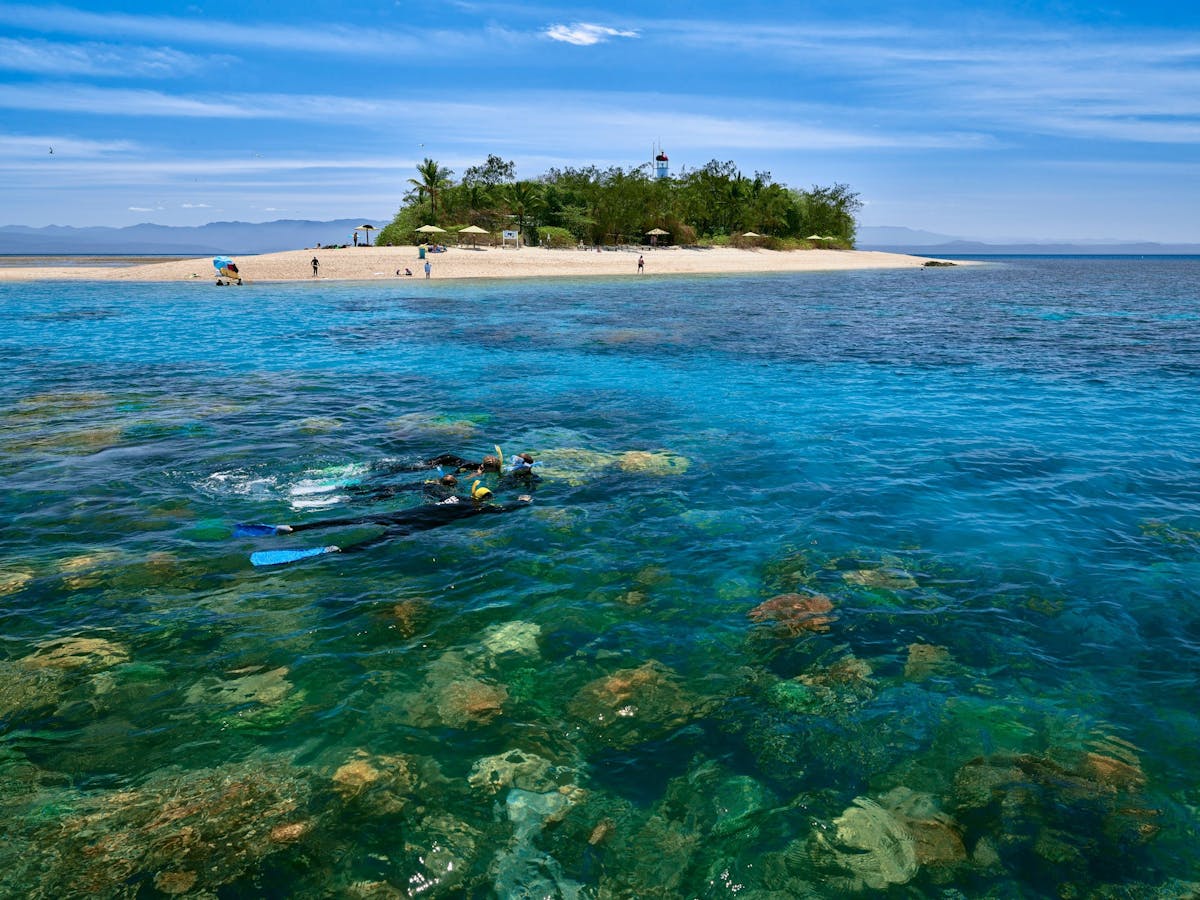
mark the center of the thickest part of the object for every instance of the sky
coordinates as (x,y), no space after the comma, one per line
(993,121)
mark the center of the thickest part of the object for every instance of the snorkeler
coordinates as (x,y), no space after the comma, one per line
(436,491)
(489,463)
(395,524)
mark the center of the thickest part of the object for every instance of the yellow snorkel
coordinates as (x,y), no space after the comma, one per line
(500,454)
(479,493)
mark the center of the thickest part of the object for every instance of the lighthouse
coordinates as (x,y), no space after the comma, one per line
(661,165)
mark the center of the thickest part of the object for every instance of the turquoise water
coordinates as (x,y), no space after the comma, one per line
(976,491)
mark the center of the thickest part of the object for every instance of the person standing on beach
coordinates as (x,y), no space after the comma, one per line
(641,264)
(316,264)
(428,268)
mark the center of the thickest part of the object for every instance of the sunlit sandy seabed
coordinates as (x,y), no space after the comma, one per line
(831,583)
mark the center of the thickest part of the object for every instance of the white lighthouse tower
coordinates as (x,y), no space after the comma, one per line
(662,167)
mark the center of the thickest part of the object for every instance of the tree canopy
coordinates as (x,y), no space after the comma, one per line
(619,205)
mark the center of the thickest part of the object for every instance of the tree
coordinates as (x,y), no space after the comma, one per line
(830,211)
(493,172)
(619,204)
(431,179)
(524,199)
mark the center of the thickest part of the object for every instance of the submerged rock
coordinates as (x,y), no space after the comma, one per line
(887,579)
(409,616)
(380,784)
(657,462)
(1077,812)
(13,580)
(925,661)
(89,653)
(632,705)
(185,831)
(516,768)
(86,570)
(795,614)
(870,848)
(520,638)
(437,425)
(252,700)
(467,702)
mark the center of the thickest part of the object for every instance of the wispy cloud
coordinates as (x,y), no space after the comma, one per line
(64,60)
(1009,76)
(65,147)
(330,38)
(559,119)
(585,34)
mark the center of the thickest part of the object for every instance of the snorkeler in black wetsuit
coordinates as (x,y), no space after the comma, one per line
(435,491)
(410,521)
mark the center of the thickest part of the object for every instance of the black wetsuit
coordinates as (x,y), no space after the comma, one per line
(445,460)
(410,521)
(433,490)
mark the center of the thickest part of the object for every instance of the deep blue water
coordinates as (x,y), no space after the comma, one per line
(981,485)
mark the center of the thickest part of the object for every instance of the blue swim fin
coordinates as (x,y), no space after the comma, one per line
(278,557)
(254,529)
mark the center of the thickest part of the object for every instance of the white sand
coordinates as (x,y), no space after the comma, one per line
(381,263)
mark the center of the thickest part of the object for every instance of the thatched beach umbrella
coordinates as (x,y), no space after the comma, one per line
(431,229)
(751,234)
(472,230)
(655,234)
(368,229)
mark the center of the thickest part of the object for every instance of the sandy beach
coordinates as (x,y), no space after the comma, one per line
(382,263)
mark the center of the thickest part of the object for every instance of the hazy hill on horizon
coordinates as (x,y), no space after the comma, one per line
(898,239)
(201,240)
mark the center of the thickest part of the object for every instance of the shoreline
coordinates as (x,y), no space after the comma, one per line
(382,263)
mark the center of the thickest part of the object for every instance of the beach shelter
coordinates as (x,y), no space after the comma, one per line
(430,229)
(368,229)
(473,231)
(655,234)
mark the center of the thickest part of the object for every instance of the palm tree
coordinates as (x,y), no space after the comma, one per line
(432,179)
(524,199)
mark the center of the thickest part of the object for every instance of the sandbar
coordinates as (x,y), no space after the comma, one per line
(382,263)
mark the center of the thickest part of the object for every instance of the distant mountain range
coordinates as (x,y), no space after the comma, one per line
(926,243)
(294,234)
(202,240)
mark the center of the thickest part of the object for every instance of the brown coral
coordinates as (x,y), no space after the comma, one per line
(794,614)
(925,660)
(469,701)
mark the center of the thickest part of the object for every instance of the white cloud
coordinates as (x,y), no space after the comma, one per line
(584,34)
(196,205)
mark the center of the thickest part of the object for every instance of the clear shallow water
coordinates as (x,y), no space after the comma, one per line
(988,476)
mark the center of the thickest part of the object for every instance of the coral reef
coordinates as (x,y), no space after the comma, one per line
(795,614)
(633,705)
(185,831)
(516,768)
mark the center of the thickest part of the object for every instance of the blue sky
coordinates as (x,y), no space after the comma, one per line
(998,120)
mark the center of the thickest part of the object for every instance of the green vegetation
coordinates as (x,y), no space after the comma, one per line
(715,204)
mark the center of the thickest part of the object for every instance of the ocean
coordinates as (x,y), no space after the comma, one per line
(830,583)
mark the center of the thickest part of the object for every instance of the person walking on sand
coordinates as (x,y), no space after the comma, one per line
(316,264)
(641,264)
(428,268)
